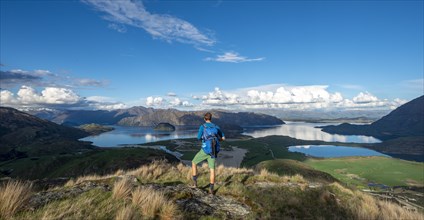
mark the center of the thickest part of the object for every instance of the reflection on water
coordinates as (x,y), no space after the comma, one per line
(307,131)
(300,130)
(334,151)
(138,135)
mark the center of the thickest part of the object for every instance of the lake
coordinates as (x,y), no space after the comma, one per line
(139,135)
(300,130)
(308,131)
(327,151)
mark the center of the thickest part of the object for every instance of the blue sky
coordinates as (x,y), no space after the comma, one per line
(208,54)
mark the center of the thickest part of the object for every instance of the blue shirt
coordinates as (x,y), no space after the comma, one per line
(209,124)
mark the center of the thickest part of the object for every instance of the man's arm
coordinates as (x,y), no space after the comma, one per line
(221,134)
(200,133)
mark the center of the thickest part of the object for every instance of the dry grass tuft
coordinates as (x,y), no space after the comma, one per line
(169,211)
(364,206)
(13,196)
(341,188)
(153,204)
(92,178)
(152,171)
(122,189)
(94,204)
(127,213)
(264,173)
(298,179)
(70,183)
(390,210)
(119,172)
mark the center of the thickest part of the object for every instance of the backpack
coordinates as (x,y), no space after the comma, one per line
(210,139)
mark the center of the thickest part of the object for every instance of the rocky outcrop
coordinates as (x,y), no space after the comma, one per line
(197,202)
(194,202)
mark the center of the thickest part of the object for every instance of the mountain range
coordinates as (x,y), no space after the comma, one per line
(141,116)
(406,120)
(22,134)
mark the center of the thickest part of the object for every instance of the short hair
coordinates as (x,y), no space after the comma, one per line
(208,116)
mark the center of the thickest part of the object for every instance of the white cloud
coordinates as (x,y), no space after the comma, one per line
(292,97)
(89,82)
(154,101)
(117,27)
(280,95)
(161,26)
(218,98)
(171,94)
(99,99)
(233,57)
(18,71)
(56,97)
(177,102)
(49,96)
(42,72)
(7,98)
(108,106)
(104,103)
(365,97)
(15,78)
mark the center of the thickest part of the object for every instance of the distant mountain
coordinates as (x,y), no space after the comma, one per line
(177,117)
(322,115)
(406,120)
(22,132)
(141,116)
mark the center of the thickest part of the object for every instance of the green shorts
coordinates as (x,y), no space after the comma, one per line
(201,156)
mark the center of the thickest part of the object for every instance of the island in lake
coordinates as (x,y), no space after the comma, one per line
(164,127)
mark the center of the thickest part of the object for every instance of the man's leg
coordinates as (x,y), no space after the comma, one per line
(211,164)
(193,169)
(212,176)
(200,156)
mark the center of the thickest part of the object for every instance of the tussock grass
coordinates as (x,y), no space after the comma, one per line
(122,189)
(127,213)
(157,171)
(154,204)
(13,196)
(119,172)
(390,210)
(364,206)
(94,204)
(268,194)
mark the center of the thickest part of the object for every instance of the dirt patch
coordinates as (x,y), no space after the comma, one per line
(231,158)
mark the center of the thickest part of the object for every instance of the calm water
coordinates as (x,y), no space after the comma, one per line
(307,131)
(334,151)
(138,135)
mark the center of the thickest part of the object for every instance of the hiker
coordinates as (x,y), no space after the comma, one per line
(210,134)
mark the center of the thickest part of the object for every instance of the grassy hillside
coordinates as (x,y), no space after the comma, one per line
(97,161)
(292,167)
(359,171)
(160,191)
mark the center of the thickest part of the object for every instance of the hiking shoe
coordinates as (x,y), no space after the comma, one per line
(194,184)
(194,179)
(211,189)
